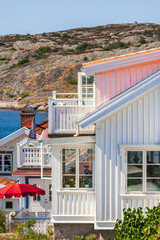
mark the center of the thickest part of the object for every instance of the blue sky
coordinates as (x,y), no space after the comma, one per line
(38,16)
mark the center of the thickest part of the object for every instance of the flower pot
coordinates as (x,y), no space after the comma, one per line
(67,186)
(12,216)
(86,185)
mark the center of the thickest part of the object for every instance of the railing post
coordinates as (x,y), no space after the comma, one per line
(54,95)
(50,116)
(18,155)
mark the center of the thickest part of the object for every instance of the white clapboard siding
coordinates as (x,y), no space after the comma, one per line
(76,203)
(111,83)
(138,123)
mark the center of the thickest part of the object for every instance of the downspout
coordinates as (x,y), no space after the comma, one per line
(77,130)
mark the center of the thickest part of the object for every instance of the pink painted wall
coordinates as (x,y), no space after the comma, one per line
(111,83)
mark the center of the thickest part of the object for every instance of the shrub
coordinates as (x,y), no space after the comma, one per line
(69,50)
(2,221)
(77,237)
(13,49)
(91,237)
(85,58)
(41,57)
(21,62)
(2,59)
(137,226)
(71,80)
(24,95)
(2,44)
(121,45)
(56,35)
(42,50)
(82,46)
(65,35)
(142,41)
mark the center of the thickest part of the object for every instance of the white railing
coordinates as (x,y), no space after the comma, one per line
(141,200)
(28,155)
(74,203)
(64,114)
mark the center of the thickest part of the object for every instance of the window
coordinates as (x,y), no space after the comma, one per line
(5,163)
(77,168)
(143,171)
(50,192)
(87,86)
(36,198)
(9,205)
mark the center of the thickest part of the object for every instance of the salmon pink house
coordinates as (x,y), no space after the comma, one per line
(105,144)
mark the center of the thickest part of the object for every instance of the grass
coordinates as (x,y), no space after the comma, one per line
(21,62)
(24,95)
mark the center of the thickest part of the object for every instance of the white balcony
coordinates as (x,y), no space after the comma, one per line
(65,112)
(29,154)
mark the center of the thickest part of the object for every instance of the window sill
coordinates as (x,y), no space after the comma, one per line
(140,195)
(76,191)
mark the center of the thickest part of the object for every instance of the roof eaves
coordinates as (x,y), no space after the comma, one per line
(120,101)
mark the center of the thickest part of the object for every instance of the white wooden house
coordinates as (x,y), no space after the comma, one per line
(106,143)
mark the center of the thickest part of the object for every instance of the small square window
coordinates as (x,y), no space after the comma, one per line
(9,205)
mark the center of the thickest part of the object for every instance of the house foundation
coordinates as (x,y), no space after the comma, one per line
(67,231)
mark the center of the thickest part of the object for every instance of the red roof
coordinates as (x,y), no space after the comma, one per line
(7,181)
(28,172)
(40,126)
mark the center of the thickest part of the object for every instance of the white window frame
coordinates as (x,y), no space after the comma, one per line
(87,146)
(80,74)
(3,155)
(9,208)
(143,149)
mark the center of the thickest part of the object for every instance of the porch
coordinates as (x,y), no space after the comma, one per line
(64,113)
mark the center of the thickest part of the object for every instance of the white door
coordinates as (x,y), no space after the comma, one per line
(37,203)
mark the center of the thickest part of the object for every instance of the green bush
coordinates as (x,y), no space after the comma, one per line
(77,237)
(142,41)
(82,46)
(13,49)
(85,58)
(71,80)
(91,237)
(42,50)
(137,226)
(21,62)
(2,59)
(2,44)
(65,35)
(25,231)
(2,221)
(56,35)
(24,95)
(41,57)
(69,50)
(121,45)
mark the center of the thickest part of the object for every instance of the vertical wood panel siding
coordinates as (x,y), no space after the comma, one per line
(138,123)
(111,83)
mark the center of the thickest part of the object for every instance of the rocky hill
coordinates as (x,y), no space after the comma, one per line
(32,66)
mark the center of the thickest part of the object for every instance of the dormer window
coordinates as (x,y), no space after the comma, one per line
(86,88)
(5,163)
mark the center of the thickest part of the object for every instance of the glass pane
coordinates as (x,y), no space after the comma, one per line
(9,205)
(153,170)
(153,185)
(68,182)
(90,80)
(85,182)
(69,155)
(85,155)
(0,162)
(134,185)
(153,157)
(69,167)
(134,171)
(83,90)
(89,90)
(83,80)
(85,167)
(84,96)
(134,157)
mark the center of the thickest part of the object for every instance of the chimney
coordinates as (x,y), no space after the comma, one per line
(27,115)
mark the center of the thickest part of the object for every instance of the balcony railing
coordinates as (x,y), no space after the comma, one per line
(64,113)
(29,154)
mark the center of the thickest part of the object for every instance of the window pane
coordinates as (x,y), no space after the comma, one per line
(68,182)
(153,157)
(83,80)
(83,90)
(69,168)
(90,80)
(9,205)
(134,185)
(89,90)
(85,155)
(85,168)
(134,157)
(0,162)
(153,185)
(69,155)
(85,182)
(134,171)
(153,170)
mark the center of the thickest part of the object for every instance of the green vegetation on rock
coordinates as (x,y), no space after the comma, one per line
(42,50)
(21,62)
